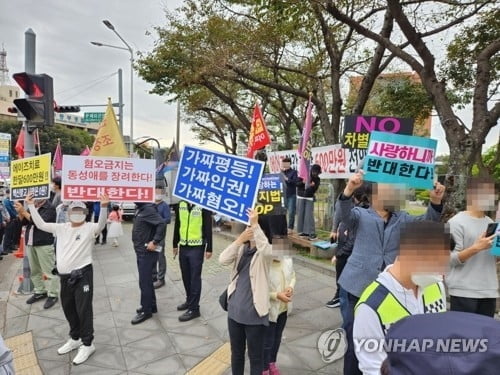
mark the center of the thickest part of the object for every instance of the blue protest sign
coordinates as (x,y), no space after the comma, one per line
(223,183)
(495,249)
(400,159)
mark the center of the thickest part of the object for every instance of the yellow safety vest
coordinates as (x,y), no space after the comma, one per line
(390,310)
(191,233)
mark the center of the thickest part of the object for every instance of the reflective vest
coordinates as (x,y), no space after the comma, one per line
(191,233)
(389,310)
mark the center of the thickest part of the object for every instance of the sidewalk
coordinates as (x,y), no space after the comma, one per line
(163,345)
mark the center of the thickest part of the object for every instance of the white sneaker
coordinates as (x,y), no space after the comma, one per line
(83,354)
(69,346)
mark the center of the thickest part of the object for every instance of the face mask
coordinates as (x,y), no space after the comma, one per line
(423,280)
(159,197)
(77,218)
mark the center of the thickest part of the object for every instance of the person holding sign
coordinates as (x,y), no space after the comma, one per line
(193,241)
(75,242)
(305,203)
(248,295)
(472,279)
(376,244)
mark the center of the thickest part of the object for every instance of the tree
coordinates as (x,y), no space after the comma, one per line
(73,141)
(417,21)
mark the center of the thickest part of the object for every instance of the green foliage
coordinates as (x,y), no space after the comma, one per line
(462,52)
(73,141)
(423,196)
(491,162)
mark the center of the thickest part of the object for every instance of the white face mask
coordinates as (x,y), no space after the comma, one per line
(423,280)
(77,218)
(159,197)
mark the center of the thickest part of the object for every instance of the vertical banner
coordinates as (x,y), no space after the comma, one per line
(86,178)
(223,183)
(259,136)
(357,129)
(5,139)
(400,159)
(30,175)
(270,200)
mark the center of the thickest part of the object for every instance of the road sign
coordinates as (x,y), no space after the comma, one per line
(93,116)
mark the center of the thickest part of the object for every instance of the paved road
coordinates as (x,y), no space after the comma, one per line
(163,345)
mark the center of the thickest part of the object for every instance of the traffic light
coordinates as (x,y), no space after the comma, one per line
(66,108)
(38,107)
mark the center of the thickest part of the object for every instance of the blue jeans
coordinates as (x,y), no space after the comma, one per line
(291,204)
(347,305)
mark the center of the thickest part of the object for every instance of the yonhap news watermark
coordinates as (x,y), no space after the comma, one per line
(437,345)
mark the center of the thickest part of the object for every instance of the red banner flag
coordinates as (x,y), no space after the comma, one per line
(86,151)
(259,136)
(20,144)
(57,162)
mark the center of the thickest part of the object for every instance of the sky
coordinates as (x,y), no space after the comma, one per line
(64,31)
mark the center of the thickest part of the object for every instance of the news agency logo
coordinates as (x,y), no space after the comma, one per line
(332,345)
(441,345)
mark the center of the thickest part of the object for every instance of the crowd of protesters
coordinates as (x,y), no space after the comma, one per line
(389,265)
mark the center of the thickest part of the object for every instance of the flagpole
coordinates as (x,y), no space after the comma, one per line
(38,141)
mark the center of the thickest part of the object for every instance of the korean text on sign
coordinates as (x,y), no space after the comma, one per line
(31,175)
(495,248)
(86,178)
(222,183)
(400,159)
(270,200)
(357,129)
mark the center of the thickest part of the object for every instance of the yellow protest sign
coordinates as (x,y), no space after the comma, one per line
(109,141)
(30,175)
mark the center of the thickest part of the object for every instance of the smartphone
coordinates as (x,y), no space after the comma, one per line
(491,230)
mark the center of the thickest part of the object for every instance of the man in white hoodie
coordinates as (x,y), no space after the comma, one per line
(75,243)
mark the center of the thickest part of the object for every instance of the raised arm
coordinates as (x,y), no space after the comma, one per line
(34,216)
(103,214)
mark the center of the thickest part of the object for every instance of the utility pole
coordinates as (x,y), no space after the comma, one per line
(120,100)
(29,67)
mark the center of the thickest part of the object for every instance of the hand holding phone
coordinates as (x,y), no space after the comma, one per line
(491,229)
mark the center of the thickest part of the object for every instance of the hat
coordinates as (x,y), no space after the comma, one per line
(452,343)
(77,204)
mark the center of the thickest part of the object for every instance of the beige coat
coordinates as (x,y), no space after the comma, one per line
(259,269)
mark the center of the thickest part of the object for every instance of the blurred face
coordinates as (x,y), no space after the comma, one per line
(389,197)
(481,197)
(77,216)
(426,261)
(285,165)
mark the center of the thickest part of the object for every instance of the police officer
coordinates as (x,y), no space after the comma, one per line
(147,233)
(193,241)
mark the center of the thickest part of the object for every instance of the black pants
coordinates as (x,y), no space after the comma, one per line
(351,364)
(241,335)
(76,301)
(272,339)
(146,261)
(339,267)
(483,306)
(191,262)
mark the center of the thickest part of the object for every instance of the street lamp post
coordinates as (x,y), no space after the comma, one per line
(110,26)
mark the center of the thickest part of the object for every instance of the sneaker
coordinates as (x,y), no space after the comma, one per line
(69,346)
(51,301)
(83,354)
(313,237)
(335,302)
(36,297)
(183,307)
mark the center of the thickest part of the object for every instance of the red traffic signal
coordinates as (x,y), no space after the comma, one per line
(37,108)
(66,108)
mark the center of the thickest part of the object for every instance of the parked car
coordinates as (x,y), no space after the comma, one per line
(128,210)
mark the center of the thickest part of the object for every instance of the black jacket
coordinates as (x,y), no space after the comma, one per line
(206,229)
(308,192)
(148,226)
(41,238)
